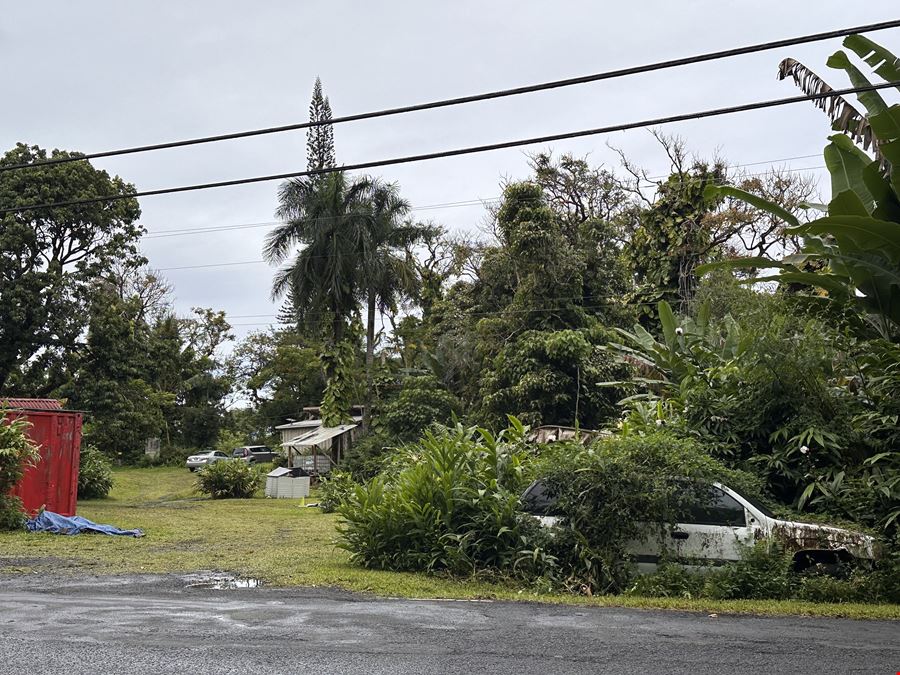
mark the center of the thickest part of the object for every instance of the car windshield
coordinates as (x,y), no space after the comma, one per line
(759,506)
(237,452)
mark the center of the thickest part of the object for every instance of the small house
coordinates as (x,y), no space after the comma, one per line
(315,448)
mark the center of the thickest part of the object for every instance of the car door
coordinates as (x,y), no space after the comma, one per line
(716,531)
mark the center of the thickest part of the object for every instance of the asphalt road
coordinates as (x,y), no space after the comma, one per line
(159,625)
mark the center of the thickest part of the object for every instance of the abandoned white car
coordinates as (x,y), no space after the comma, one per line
(720,530)
(195,462)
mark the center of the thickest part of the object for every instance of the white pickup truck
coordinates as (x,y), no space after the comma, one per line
(720,530)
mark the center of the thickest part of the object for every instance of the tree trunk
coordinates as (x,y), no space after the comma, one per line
(370,358)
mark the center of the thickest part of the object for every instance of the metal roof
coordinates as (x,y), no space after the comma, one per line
(318,436)
(308,424)
(302,424)
(30,404)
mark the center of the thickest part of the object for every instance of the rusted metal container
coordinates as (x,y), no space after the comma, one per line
(53,483)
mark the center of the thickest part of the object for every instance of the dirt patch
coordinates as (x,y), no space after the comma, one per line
(13,565)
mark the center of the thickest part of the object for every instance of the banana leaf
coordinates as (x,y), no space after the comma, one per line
(883,62)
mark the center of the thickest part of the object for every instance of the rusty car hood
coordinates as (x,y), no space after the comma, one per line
(799,536)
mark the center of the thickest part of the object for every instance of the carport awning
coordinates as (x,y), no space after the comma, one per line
(318,436)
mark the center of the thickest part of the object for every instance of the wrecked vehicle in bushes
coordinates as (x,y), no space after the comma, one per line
(720,528)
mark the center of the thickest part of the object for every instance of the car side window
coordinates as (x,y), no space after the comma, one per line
(719,508)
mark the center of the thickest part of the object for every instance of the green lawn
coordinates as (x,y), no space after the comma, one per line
(285,544)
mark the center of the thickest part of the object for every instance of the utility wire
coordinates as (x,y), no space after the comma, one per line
(443,103)
(490,147)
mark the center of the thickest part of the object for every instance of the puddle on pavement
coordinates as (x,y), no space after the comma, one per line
(222,582)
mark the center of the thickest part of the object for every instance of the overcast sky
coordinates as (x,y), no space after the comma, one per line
(93,76)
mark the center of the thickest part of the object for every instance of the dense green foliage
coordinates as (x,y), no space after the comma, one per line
(94,474)
(766,573)
(449,503)
(51,259)
(17,452)
(334,489)
(229,479)
(618,491)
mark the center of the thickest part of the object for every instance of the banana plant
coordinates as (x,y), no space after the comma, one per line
(687,349)
(857,242)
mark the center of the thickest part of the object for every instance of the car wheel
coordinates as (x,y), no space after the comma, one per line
(192,469)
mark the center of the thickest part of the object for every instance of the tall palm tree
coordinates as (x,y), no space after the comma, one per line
(329,218)
(388,268)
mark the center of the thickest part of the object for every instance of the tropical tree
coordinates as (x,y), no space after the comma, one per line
(51,258)
(388,267)
(319,139)
(319,156)
(329,219)
(853,253)
(852,256)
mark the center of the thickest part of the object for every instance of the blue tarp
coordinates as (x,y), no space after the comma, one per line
(47,521)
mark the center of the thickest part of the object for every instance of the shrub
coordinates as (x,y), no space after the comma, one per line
(614,491)
(17,452)
(169,455)
(334,489)
(450,504)
(12,513)
(229,479)
(669,581)
(365,458)
(764,573)
(94,474)
(229,440)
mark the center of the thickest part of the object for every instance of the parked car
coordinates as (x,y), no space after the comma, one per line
(720,529)
(254,454)
(195,462)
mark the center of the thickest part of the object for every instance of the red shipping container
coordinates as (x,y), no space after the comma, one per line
(53,483)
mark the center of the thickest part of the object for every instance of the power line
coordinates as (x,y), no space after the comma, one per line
(260,261)
(197,267)
(470,150)
(503,93)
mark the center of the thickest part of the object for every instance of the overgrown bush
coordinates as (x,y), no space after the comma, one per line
(613,492)
(365,458)
(17,452)
(229,440)
(767,574)
(12,514)
(451,504)
(94,474)
(229,479)
(334,490)
(764,572)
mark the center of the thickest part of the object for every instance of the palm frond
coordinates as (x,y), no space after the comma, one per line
(843,115)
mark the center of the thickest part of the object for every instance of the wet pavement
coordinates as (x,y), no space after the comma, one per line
(214,623)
